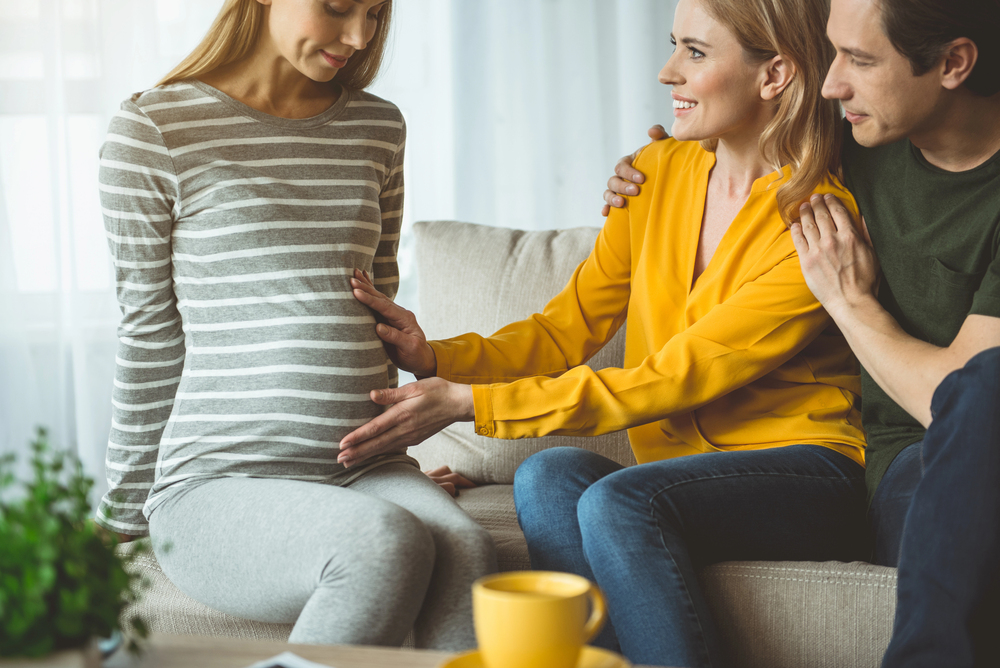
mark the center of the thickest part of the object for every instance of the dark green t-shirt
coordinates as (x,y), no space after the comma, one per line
(937,236)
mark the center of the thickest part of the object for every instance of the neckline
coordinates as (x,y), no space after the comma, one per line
(760,185)
(929,166)
(327,116)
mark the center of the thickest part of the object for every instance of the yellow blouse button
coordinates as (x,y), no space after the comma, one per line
(484,431)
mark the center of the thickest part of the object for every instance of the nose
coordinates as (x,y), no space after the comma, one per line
(670,75)
(354,34)
(835,86)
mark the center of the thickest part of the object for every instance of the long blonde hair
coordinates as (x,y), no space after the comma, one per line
(235,32)
(805,132)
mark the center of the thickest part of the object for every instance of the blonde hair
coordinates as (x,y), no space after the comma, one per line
(235,33)
(805,132)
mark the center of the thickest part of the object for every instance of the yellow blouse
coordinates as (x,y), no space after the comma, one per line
(747,359)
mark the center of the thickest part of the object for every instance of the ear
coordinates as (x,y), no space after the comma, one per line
(958,62)
(778,73)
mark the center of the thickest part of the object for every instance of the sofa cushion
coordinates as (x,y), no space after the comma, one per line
(474,278)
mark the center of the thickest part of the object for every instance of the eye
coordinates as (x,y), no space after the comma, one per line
(329,9)
(859,63)
(695,53)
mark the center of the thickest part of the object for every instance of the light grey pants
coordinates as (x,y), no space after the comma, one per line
(355,565)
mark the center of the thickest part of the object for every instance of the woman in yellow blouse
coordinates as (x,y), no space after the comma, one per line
(738,393)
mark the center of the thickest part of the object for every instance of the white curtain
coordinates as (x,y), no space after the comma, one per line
(516,112)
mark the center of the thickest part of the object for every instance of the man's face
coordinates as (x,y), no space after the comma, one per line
(883,99)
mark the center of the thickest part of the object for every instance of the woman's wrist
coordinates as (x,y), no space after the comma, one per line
(429,369)
(465,405)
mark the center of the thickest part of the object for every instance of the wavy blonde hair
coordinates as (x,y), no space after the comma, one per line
(806,130)
(235,32)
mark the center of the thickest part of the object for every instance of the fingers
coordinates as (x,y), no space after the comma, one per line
(448,487)
(798,238)
(625,171)
(657,133)
(839,214)
(394,395)
(822,216)
(358,450)
(606,209)
(807,220)
(456,479)
(368,431)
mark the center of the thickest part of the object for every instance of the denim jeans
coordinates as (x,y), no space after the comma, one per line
(642,532)
(936,516)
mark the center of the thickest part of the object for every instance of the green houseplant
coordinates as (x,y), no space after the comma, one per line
(61,583)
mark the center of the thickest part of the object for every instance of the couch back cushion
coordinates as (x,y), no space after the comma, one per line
(474,278)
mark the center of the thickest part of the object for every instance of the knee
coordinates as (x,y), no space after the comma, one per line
(473,545)
(976,386)
(541,468)
(604,507)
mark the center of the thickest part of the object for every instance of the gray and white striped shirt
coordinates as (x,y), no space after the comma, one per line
(242,351)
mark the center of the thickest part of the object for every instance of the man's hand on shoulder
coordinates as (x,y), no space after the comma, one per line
(838,262)
(626,178)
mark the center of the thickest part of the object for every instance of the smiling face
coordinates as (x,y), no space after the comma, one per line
(318,37)
(716,90)
(882,98)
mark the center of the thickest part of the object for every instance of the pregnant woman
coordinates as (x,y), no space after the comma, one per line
(739,396)
(240,195)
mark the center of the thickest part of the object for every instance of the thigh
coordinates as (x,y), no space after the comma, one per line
(799,502)
(409,488)
(891,503)
(259,548)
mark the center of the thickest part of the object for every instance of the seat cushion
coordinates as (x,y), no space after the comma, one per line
(474,278)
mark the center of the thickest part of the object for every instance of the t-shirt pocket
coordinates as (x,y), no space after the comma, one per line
(954,291)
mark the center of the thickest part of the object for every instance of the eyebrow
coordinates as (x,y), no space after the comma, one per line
(857,53)
(689,41)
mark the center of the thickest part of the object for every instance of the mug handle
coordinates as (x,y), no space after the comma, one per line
(599,611)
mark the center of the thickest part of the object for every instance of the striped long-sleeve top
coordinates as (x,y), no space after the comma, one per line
(242,351)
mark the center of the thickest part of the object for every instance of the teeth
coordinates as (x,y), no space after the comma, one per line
(679,104)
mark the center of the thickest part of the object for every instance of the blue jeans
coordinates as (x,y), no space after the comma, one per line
(936,515)
(642,532)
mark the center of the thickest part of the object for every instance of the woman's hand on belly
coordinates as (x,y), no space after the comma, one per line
(416,412)
(402,337)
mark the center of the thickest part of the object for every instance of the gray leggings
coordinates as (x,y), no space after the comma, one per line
(359,565)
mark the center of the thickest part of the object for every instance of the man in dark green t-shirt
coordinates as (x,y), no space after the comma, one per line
(920,84)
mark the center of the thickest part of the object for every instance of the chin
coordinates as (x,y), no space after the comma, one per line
(679,132)
(870,135)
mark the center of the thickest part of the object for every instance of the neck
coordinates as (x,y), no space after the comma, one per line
(965,134)
(265,81)
(738,163)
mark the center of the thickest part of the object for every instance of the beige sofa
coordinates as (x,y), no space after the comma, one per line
(476,278)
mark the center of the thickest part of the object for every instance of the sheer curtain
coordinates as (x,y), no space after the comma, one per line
(516,112)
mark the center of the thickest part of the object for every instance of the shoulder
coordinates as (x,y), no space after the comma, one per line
(671,157)
(162,101)
(831,185)
(374,107)
(151,109)
(383,117)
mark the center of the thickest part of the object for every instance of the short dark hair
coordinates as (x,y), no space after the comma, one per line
(921,30)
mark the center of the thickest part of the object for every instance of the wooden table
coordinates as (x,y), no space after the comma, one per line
(167,651)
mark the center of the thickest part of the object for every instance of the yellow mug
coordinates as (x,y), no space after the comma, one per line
(535,619)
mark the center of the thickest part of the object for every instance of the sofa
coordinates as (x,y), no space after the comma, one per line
(477,278)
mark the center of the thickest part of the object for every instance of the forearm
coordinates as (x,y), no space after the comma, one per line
(908,369)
